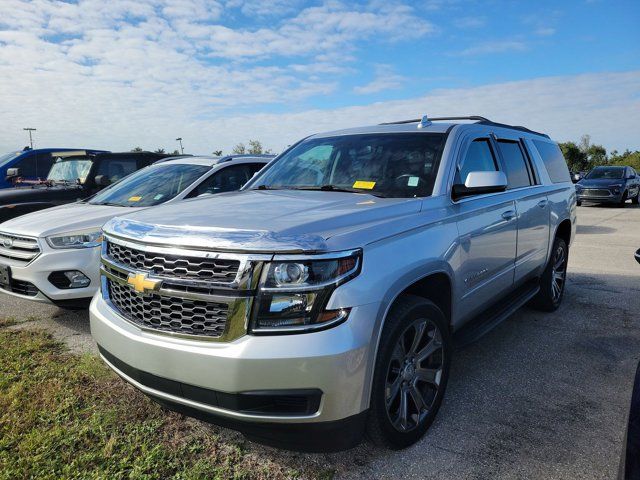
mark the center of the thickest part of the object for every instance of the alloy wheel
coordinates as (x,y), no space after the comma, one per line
(414,375)
(558,273)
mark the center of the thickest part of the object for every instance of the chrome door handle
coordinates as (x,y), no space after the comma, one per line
(542,203)
(509,214)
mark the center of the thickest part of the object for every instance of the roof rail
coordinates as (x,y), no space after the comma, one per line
(233,156)
(426,121)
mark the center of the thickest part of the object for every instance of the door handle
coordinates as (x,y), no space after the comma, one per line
(543,203)
(509,214)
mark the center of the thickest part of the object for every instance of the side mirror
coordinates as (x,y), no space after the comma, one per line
(478,183)
(631,177)
(102,180)
(12,173)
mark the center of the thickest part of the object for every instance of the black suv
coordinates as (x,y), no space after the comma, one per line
(74,175)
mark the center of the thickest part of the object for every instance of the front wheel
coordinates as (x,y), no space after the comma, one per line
(553,278)
(623,199)
(411,373)
(635,200)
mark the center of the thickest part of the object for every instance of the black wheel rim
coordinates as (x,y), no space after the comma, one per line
(558,273)
(414,375)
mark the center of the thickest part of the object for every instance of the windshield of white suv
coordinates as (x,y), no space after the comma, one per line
(150,186)
(401,165)
(72,170)
(606,172)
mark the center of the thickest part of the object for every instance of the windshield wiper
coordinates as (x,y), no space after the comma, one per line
(333,188)
(110,204)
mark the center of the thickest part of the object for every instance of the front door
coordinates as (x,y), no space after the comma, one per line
(487,229)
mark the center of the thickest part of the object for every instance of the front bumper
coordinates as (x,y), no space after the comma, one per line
(335,362)
(86,260)
(611,198)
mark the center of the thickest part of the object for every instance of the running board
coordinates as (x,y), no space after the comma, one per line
(495,315)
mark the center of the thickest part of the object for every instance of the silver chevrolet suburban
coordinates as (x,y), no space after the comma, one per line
(327,297)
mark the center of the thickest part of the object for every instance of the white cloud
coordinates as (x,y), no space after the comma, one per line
(385,79)
(605,105)
(545,31)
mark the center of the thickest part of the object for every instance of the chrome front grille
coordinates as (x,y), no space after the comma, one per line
(178,291)
(170,314)
(596,192)
(163,264)
(16,247)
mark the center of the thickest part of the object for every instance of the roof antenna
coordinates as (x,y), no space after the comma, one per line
(425,122)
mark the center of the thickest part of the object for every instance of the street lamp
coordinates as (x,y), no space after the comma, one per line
(29,129)
(179,139)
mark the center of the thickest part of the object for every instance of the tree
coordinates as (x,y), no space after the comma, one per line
(629,158)
(576,158)
(175,152)
(159,150)
(217,153)
(239,149)
(137,149)
(255,147)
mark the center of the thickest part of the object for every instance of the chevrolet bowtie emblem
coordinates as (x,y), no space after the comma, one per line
(142,284)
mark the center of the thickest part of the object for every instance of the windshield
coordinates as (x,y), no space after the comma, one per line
(70,170)
(7,157)
(150,186)
(401,165)
(606,172)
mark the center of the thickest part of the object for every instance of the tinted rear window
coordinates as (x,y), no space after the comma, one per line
(553,161)
(517,172)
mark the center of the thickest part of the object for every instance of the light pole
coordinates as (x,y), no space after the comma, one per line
(179,139)
(29,129)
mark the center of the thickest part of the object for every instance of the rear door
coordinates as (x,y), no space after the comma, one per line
(532,207)
(487,229)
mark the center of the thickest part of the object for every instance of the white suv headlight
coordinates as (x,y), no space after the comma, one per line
(294,292)
(76,240)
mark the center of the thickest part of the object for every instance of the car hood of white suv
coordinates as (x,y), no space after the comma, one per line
(270,221)
(72,217)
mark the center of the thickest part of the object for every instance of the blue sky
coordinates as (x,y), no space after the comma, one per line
(216,72)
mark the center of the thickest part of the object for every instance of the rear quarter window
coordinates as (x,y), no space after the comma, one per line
(553,161)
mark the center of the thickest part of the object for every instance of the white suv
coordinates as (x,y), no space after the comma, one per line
(53,255)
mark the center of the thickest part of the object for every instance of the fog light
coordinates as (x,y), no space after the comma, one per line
(69,279)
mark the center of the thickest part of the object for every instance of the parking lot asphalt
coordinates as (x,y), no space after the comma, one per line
(541,396)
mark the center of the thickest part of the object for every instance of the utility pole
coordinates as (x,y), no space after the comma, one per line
(179,139)
(29,129)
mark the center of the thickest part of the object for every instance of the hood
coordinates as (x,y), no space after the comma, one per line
(268,221)
(600,182)
(38,192)
(65,218)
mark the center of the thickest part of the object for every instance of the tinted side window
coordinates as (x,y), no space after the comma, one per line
(43,165)
(115,169)
(27,166)
(553,161)
(225,180)
(515,163)
(478,158)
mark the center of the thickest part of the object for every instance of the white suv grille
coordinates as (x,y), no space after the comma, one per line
(16,247)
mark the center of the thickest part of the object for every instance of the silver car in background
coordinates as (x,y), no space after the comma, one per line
(324,299)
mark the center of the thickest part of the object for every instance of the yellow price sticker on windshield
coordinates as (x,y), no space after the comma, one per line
(364,184)
(135,199)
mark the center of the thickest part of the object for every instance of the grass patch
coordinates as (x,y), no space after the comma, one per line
(68,416)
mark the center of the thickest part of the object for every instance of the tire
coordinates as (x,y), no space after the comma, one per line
(398,369)
(578,202)
(623,200)
(553,278)
(636,200)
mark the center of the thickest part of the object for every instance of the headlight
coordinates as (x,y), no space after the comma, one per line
(294,292)
(76,240)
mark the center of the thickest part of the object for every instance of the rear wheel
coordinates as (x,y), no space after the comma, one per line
(553,278)
(411,373)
